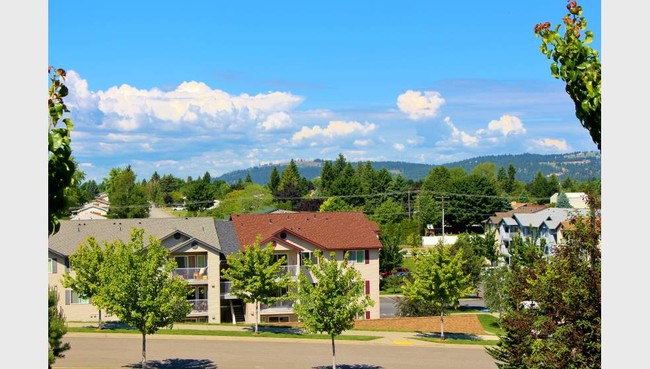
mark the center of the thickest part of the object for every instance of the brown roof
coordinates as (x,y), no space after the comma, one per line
(521,208)
(328,230)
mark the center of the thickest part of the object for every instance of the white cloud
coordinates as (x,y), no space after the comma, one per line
(362,142)
(505,126)
(334,129)
(546,144)
(398,147)
(128,108)
(420,105)
(276,121)
(79,96)
(415,141)
(460,137)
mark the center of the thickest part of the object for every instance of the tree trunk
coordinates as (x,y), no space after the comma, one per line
(257,314)
(144,351)
(442,324)
(99,322)
(333,354)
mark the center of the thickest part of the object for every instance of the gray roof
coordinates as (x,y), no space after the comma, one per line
(551,216)
(74,232)
(509,221)
(227,237)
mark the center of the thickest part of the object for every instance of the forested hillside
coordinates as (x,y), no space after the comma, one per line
(581,166)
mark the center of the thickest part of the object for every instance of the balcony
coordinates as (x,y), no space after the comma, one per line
(285,306)
(292,270)
(199,306)
(225,290)
(192,274)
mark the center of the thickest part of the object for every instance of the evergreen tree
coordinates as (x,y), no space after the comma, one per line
(512,172)
(248,178)
(327,177)
(502,179)
(539,189)
(563,201)
(56,328)
(274,180)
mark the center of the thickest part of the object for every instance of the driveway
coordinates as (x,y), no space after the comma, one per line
(155,212)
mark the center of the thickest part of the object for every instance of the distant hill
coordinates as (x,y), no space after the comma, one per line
(581,166)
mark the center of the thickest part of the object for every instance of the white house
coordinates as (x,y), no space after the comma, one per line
(578,200)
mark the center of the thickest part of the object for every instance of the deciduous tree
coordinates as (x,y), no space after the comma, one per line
(256,276)
(139,287)
(563,328)
(439,279)
(128,199)
(86,263)
(337,297)
(61,165)
(576,63)
(391,255)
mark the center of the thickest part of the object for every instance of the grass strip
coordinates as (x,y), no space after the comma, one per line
(457,341)
(220,333)
(491,324)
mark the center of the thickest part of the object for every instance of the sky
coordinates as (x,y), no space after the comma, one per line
(219,86)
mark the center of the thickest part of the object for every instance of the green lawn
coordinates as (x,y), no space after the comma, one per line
(490,323)
(223,333)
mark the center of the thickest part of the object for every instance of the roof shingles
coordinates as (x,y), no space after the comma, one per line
(330,230)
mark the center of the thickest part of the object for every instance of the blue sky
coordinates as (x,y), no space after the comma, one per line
(220,86)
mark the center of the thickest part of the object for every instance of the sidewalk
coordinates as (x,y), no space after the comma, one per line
(387,337)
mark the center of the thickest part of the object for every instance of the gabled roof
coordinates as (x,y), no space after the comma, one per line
(74,232)
(329,230)
(518,208)
(550,216)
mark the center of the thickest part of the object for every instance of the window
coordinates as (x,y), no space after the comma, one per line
(367,287)
(51,265)
(191,261)
(72,297)
(307,255)
(357,256)
(276,257)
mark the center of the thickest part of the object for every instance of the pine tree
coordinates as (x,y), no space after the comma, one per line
(56,328)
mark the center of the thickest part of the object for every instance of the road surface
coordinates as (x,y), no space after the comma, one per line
(110,351)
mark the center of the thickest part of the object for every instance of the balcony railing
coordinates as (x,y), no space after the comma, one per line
(190,274)
(290,269)
(199,306)
(285,304)
(225,289)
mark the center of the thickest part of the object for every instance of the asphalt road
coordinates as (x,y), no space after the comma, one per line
(110,351)
(155,212)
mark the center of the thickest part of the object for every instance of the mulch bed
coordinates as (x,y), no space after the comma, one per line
(457,323)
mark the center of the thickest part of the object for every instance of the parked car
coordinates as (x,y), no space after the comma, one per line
(399,272)
(178,208)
